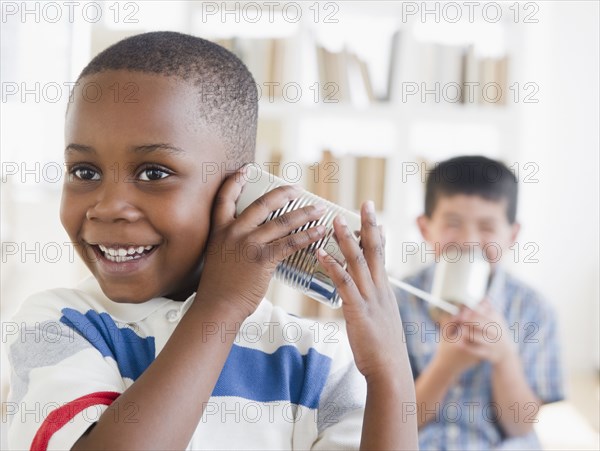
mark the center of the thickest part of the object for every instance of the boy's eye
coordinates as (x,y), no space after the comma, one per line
(85,173)
(152,173)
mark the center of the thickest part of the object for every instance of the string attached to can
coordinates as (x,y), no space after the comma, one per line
(302,270)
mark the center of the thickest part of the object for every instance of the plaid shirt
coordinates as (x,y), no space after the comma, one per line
(467,417)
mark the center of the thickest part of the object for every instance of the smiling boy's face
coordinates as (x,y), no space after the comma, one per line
(471,223)
(137,202)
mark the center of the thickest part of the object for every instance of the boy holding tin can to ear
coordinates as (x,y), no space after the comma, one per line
(170,343)
(481,375)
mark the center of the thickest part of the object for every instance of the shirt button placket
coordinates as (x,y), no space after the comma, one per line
(172,315)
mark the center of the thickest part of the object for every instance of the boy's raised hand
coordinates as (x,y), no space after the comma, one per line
(242,252)
(375,334)
(369,305)
(472,336)
(450,355)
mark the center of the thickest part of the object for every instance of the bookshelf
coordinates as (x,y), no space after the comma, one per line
(379,107)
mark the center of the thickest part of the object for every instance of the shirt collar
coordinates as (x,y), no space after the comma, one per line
(125,312)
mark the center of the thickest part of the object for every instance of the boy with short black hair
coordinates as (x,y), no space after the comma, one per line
(477,389)
(170,344)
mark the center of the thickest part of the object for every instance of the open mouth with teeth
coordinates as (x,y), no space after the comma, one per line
(120,254)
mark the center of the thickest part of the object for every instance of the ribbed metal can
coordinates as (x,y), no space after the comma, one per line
(302,270)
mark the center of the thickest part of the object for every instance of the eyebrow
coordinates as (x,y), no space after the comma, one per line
(488,221)
(451,216)
(146,148)
(78,148)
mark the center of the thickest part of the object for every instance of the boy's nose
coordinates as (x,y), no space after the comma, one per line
(115,202)
(469,238)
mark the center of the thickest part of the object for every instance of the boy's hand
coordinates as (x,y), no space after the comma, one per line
(369,305)
(450,355)
(242,253)
(485,333)
(375,334)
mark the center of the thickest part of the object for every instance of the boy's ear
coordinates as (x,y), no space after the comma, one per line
(423,224)
(514,232)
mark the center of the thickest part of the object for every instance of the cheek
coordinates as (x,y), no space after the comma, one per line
(500,238)
(495,245)
(493,251)
(191,221)
(185,220)
(71,217)
(443,239)
(447,235)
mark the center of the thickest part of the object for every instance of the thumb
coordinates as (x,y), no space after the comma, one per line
(225,200)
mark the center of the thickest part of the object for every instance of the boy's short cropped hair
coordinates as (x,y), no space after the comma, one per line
(472,175)
(227,93)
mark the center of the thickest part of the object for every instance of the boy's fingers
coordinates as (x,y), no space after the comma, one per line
(485,307)
(357,266)
(341,279)
(259,210)
(224,202)
(472,351)
(475,349)
(285,224)
(382,236)
(370,236)
(288,245)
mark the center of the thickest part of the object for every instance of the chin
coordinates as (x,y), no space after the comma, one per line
(124,296)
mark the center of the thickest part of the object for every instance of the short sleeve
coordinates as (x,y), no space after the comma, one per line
(539,345)
(60,383)
(342,403)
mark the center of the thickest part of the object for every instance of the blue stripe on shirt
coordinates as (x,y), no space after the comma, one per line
(132,353)
(285,375)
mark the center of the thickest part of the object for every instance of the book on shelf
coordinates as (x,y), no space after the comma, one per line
(463,77)
(470,75)
(333,75)
(427,64)
(366,79)
(344,76)
(274,164)
(348,180)
(450,73)
(317,182)
(487,75)
(267,60)
(392,66)
(277,73)
(502,78)
(359,83)
(352,75)
(370,181)
(346,177)
(320,177)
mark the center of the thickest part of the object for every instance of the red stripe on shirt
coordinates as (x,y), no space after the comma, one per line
(61,416)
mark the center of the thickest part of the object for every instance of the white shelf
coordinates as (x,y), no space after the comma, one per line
(460,113)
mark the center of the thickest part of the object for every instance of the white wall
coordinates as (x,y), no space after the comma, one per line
(560,134)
